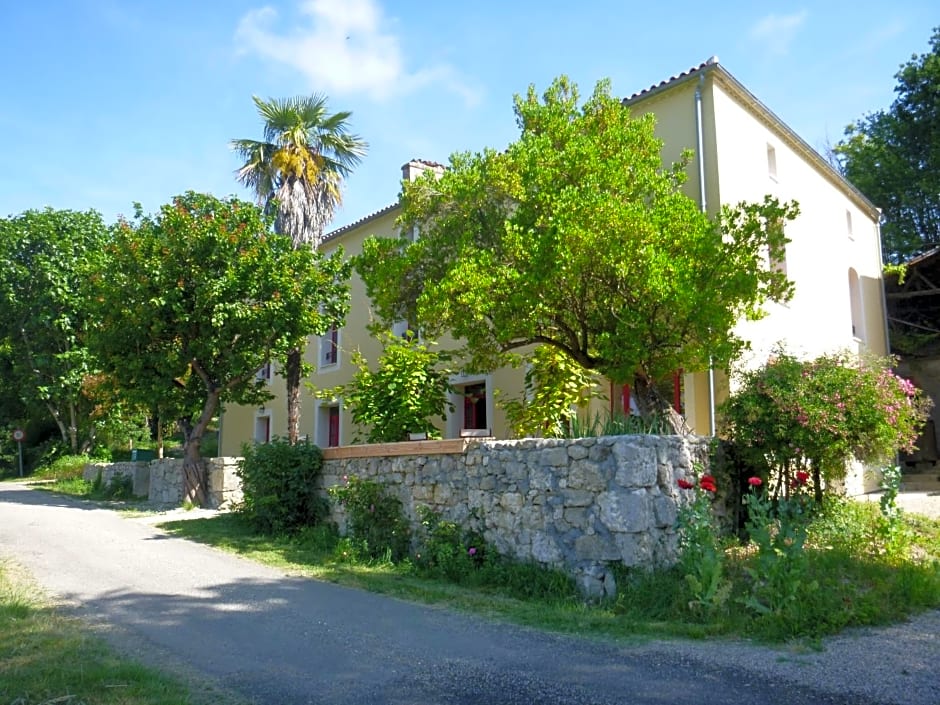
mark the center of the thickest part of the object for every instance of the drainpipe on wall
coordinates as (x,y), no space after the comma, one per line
(700,152)
(884,296)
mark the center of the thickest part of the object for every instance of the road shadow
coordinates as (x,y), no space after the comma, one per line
(25,494)
(292,640)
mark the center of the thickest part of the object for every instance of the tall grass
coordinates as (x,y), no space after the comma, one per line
(607,424)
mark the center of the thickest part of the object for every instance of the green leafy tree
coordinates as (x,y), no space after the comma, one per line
(190,304)
(893,157)
(43,320)
(794,416)
(577,237)
(403,395)
(296,171)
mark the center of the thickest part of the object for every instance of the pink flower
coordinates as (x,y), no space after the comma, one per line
(471,551)
(754,481)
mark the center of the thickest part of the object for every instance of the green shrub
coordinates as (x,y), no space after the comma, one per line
(62,467)
(279,486)
(446,550)
(408,389)
(119,487)
(375,520)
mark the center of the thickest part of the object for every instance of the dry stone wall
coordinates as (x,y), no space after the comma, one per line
(161,480)
(575,504)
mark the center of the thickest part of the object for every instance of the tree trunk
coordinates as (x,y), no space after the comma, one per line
(73,428)
(292,379)
(817,482)
(652,405)
(58,422)
(194,469)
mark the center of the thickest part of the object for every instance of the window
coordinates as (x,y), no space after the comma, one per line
(263,428)
(848,224)
(329,347)
(771,162)
(264,374)
(474,406)
(858,311)
(328,425)
(472,401)
(400,328)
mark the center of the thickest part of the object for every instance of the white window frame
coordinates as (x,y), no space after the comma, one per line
(321,426)
(263,413)
(772,162)
(322,342)
(455,422)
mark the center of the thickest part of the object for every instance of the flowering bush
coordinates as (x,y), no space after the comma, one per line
(792,416)
(701,559)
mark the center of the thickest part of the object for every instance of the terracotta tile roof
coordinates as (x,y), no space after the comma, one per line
(656,87)
(355,224)
(427,162)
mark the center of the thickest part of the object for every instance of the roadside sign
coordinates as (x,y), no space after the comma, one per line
(19,435)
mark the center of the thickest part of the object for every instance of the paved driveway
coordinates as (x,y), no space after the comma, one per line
(286,640)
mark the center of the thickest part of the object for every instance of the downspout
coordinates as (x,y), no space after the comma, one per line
(700,151)
(884,296)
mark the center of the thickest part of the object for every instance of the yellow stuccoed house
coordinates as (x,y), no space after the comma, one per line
(742,151)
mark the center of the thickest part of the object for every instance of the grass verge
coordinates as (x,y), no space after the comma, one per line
(49,658)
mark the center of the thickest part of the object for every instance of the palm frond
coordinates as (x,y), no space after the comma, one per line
(298,168)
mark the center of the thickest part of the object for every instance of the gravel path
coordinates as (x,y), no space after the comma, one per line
(278,639)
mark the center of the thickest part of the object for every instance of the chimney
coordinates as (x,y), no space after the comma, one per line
(416,167)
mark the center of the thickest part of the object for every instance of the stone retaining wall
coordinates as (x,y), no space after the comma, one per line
(161,480)
(578,505)
(572,504)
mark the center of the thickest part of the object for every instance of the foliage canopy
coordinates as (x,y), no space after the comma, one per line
(42,260)
(578,237)
(893,156)
(190,304)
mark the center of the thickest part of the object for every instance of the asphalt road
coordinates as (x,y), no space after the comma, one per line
(285,640)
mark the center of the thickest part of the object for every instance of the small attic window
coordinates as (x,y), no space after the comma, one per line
(848,224)
(771,162)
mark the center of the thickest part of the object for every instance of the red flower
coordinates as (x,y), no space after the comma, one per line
(802,476)
(685,484)
(710,479)
(754,481)
(707,483)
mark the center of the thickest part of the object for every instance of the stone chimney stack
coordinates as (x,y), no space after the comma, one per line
(413,169)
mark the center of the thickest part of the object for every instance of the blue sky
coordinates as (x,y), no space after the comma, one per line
(108,102)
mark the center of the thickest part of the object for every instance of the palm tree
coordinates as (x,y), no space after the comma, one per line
(296,172)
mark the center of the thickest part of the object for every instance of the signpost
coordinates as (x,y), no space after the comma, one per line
(19,435)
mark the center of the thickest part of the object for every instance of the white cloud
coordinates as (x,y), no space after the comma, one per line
(776,32)
(344,47)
